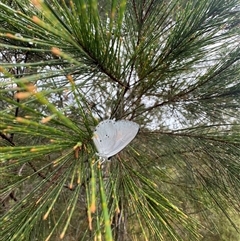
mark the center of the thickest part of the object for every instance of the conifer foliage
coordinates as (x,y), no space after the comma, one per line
(170,66)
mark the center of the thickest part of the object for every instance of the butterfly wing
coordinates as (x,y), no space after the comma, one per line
(111,137)
(125,133)
(104,137)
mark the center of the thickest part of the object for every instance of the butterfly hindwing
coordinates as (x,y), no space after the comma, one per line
(104,137)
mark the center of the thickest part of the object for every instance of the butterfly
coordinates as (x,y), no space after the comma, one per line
(111,136)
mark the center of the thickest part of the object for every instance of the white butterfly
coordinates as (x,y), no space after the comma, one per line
(110,136)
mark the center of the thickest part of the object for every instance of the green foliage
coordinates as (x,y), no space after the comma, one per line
(171,66)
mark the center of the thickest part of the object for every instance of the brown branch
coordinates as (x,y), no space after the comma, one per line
(7,139)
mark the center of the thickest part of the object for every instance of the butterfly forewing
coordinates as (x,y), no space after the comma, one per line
(126,131)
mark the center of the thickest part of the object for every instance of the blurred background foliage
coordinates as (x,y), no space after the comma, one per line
(170,66)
